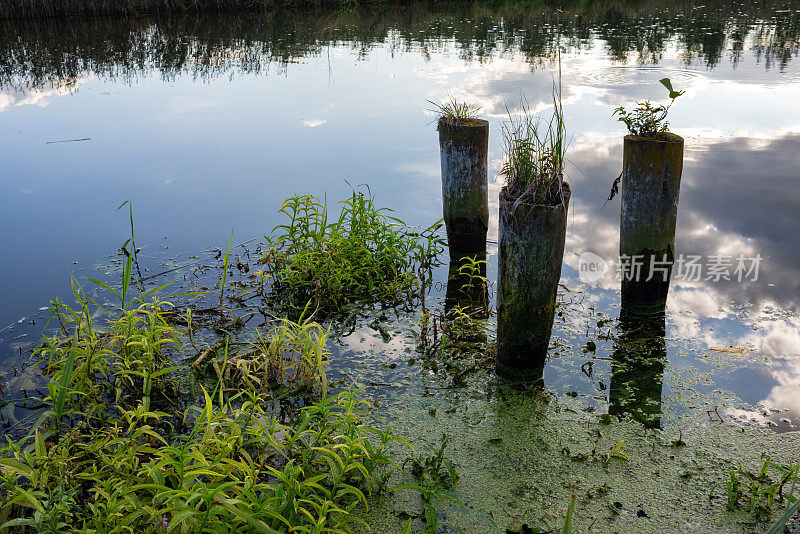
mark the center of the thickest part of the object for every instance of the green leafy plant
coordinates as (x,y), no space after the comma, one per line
(435,476)
(646,119)
(760,490)
(779,526)
(617,451)
(224,280)
(290,353)
(364,255)
(567,528)
(472,270)
(103,457)
(234,465)
(112,452)
(128,359)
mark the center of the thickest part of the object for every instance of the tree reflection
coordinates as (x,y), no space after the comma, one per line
(37,52)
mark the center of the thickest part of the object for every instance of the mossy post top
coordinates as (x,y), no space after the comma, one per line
(660,138)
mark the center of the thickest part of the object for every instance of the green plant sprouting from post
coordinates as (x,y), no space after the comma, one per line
(535,152)
(453,111)
(647,120)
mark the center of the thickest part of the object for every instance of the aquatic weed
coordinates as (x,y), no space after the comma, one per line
(435,476)
(290,353)
(760,490)
(111,452)
(364,255)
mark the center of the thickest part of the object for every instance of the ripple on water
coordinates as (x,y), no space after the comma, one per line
(627,75)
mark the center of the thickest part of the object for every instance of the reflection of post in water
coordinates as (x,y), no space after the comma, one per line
(466,304)
(651,181)
(637,369)
(467,287)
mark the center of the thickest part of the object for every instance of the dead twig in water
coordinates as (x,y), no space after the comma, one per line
(614,190)
(68,140)
(206,352)
(202,357)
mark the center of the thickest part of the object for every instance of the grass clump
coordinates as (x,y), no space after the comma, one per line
(647,120)
(758,491)
(535,153)
(454,112)
(104,458)
(364,255)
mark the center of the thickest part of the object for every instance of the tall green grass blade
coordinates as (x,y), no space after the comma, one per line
(568,521)
(779,525)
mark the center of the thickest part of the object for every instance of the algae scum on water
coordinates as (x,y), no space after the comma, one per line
(361,410)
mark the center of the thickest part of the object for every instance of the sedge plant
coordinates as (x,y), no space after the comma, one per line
(454,112)
(535,152)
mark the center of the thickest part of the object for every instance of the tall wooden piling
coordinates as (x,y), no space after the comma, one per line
(531,250)
(464,145)
(651,181)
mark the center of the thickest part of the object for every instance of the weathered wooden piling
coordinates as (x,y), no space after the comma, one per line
(464,145)
(531,250)
(651,181)
(637,369)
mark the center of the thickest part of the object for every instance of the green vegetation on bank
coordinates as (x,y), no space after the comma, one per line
(112,452)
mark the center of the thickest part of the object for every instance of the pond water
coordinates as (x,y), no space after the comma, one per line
(206,123)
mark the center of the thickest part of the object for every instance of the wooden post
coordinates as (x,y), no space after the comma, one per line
(531,249)
(651,181)
(464,148)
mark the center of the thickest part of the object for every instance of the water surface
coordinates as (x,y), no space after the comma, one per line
(206,123)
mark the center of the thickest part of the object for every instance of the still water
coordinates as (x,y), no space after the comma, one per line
(206,123)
